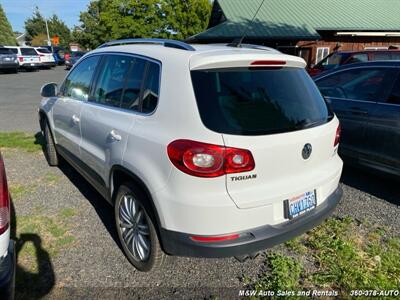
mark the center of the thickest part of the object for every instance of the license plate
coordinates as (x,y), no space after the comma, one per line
(7,58)
(32,64)
(300,204)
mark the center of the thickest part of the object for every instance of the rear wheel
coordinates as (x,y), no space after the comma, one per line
(50,148)
(136,229)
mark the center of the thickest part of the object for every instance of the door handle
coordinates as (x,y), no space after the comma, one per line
(75,119)
(358,111)
(115,136)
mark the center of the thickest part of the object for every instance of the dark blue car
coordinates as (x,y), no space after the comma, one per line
(366,99)
(58,53)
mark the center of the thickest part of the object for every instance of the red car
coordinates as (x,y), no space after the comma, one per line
(7,250)
(338,58)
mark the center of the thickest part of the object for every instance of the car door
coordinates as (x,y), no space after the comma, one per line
(352,94)
(383,132)
(67,108)
(109,114)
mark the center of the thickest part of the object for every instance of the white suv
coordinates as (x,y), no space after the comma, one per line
(203,150)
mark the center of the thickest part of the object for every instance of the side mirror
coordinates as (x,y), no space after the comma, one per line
(49,90)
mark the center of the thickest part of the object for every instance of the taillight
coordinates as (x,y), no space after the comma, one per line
(4,199)
(208,160)
(337,136)
(21,59)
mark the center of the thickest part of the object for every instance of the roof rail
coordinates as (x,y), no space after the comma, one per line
(164,42)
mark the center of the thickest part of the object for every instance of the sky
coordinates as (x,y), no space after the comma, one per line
(17,11)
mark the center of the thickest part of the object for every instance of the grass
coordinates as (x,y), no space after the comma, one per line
(18,191)
(21,140)
(340,254)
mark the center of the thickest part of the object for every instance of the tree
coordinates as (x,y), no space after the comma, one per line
(106,20)
(6,33)
(35,28)
(185,18)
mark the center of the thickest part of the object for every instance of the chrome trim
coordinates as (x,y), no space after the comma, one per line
(164,42)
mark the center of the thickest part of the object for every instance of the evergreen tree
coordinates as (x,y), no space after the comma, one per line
(6,33)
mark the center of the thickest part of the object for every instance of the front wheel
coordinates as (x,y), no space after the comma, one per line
(50,148)
(136,229)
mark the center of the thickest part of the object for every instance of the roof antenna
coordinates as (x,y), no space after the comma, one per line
(237,43)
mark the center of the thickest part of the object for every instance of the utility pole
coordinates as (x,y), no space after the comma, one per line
(48,35)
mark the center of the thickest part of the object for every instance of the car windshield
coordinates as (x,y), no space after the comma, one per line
(258,101)
(5,51)
(330,62)
(28,51)
(43,50)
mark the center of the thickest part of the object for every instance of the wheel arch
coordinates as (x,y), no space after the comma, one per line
(119,175)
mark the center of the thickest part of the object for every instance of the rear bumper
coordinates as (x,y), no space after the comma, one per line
(48,64)
(9,66)
(253,240)
(7,273)
(31,65)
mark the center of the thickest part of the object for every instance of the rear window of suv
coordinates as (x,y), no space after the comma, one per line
(5,51)
(247,101)
(28,51)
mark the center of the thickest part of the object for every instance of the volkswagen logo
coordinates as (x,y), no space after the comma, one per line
(307,150)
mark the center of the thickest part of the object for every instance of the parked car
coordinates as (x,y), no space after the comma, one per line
(73,57)
(339,58)
(366,98)
(7,248)
(28,58)
(203,150)
(58,54)
(8,60)
(46,57)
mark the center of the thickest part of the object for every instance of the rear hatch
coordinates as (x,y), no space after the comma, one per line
(6,56)
(273,111)
(29,56)
(45,55)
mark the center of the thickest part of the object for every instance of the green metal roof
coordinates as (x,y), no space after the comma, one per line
(288,19)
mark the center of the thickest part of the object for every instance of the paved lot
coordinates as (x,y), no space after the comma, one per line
(20,96)
(92,260)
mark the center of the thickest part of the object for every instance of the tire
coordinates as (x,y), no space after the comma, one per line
(50,148)
(136,236)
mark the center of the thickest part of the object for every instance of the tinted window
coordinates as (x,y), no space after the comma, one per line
(366,84)
(256,102)
(151,88)
(43,50)
(394,96)
(14,50)
(111,80)
(77,54)
(77,84)
(5,51)
(131,97)
(357,58)
(28,51)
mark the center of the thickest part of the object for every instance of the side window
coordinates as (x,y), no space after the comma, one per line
(131,96)
(366,84)
(111,80)
(357,58)
(77,84)
(151,88)
(394,96)
(382,56)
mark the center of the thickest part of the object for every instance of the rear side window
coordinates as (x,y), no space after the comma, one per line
(111,79)
(258,101)
(14,50)
(367,84)
(77,84)
(151,88)
(131,96)
(28,51)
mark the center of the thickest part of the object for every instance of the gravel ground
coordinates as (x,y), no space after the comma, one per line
(20,97)
(95,263)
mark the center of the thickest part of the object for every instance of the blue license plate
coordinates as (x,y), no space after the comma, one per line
(300,204)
